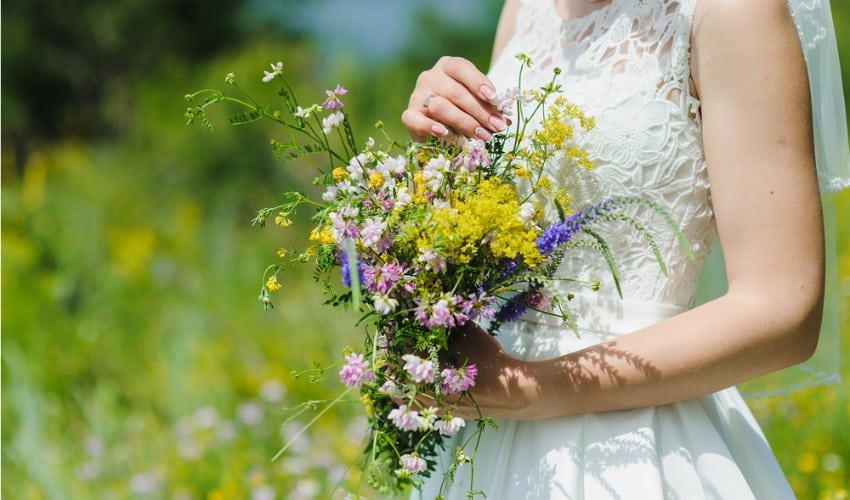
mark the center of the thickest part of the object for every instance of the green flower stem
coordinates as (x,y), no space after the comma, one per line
(311,422)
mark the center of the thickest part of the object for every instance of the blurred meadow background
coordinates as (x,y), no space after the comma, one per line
(136,360)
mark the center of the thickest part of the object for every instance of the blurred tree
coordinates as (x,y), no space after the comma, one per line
(65,66)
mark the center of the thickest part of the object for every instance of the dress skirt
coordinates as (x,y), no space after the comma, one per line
(710,447)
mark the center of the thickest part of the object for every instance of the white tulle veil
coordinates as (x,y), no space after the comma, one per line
(817,37)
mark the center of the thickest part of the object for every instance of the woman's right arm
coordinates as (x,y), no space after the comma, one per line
(453,97)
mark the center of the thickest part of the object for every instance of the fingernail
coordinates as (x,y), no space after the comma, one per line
(439,131)
(487,91)
(482,134)
(497,123)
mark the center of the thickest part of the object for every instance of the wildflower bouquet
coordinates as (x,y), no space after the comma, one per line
(427,238)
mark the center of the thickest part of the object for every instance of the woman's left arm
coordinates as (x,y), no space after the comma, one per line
(749,71)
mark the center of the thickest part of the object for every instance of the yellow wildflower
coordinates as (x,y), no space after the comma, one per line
(419,180)
(564,199)
(522,172)
(553,132)
(581,157)
(367,404)
(419,188)
(491,214)
(376,180)
(423,156)
(281,252)
(272,284)
(339,174)
(282,219)
(536,160)
(545,184)
(322,235)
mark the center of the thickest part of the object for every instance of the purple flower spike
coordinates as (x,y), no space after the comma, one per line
(560,233)
(512,309)
(346,272)
(557,234)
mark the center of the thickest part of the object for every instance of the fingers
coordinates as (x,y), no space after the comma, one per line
(458,97)
(475,83)
(421,127)
(461,114)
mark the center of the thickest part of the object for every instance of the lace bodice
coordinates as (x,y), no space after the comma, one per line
(627,64)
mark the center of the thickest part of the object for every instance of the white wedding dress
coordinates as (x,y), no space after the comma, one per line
(627,64)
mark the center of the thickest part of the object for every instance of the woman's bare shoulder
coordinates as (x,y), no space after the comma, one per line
(733,13)
(732,35)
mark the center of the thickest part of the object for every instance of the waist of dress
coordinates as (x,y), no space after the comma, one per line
(599,318)
(597,315)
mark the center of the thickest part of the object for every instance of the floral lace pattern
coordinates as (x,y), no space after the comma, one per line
(627,64)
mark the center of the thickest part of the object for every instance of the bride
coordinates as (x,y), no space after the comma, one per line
(704,107)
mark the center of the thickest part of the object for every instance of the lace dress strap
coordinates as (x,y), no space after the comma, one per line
(680,60)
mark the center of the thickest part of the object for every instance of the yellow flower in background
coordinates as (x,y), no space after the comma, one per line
(272,284)
(281,252)
(132,251)
(807,462)
(282,220)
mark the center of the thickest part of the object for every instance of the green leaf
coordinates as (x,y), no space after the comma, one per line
(246,117)
(603,248)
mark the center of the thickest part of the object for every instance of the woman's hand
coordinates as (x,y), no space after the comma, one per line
(502,380)
(452,99)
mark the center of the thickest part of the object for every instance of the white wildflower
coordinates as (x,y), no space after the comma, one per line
(413,463)
(272,390)
(450,426)
(277,69)
(526,211)
(331,121)
(383,303)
